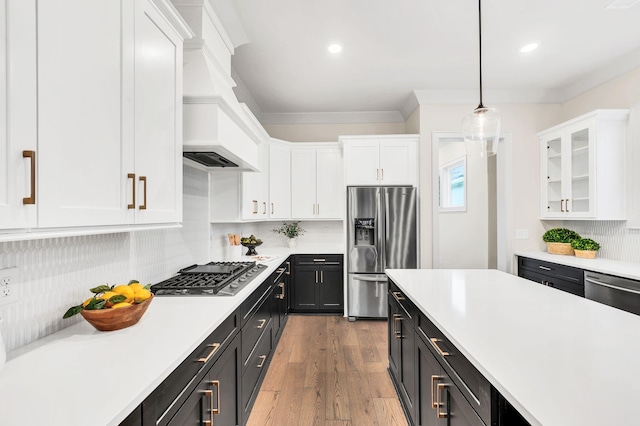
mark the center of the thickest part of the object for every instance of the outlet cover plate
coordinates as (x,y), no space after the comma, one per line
(8,289)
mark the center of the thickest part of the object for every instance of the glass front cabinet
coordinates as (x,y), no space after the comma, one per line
(582,167)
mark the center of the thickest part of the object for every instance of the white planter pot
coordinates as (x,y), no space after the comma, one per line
(293,242)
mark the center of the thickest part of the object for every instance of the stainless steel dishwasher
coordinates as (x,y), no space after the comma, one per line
(621,293)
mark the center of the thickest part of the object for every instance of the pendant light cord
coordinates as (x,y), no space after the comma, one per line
(480,48)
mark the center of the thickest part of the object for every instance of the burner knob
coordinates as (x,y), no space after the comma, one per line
(242,279)
(233,285)
(254,270)
(249,274)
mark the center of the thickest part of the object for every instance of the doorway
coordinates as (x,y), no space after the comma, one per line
(470,208)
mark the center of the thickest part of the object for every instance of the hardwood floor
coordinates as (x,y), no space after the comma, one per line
(329,371)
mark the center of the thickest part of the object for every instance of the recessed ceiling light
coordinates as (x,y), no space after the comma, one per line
(529,47)
(335,48)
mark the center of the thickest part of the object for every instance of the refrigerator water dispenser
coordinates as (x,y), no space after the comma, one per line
(365,232)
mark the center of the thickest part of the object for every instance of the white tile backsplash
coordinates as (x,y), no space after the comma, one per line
(617,241)
(54,274)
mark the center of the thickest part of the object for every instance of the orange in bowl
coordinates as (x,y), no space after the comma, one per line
(115,319)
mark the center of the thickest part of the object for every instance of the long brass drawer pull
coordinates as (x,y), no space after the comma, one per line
(132,176)
(264,207)
(319,260)
(262,323)
(209,394)
(398,295)
(216,410)
(281,285)
(544,268)
(288,268)
(255,206)
(434,378)
(263,358)
(271,208)
(214,348)
(434,341)
(439,388)
(281,270)
(143,206)
(31,199)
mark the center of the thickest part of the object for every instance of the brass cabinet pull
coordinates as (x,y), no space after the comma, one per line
(216,410)
(314,209)
(544,268)
(209,394)
(132,176)
(31,199)
(561,206)
(397,295)
(263,359)
(382,173)
(262,323)
(316,277)
(377,174)
(433,382)
(319,260)
(566,205)
(143,179)
(434,341)
(281,270)
(321,277)
(439,388)
(215,347)
(396,319)
(255,206)
(271,208)
(288,268)
(281,285)
(318,210)
(264,207)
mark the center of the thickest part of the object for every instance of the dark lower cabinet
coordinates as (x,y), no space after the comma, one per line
(318,283)
(214,400)
(133,419)
(402,355)
(561,277)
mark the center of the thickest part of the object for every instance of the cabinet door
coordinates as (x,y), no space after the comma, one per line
(224,379)
(158,113)
(17,112)
(552,171)
(362,162)
(305,291)
(398,161)
(430,375)
(250,201)
(303,183)
(329,185)
(85,112)
(279,182)
(394,337)
(580,200)
(407,370)
(331,289)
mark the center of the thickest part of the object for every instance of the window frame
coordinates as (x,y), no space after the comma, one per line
(444,185)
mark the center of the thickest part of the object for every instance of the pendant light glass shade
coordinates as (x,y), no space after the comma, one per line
(481,131)
(481,127)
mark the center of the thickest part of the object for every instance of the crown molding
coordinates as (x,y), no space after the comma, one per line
(172,15)
(244,96)
(332,117)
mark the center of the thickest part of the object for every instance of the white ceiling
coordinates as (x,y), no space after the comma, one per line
(395,47)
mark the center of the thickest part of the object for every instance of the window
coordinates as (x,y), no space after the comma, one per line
(453,188)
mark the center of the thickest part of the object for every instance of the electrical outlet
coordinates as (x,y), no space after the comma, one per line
(8,293)
(522,234)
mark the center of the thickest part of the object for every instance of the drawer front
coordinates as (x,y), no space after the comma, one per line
(253,302)
(318,259)
(407,306)
(255,327)
(476,389)
(169,395)
(254,366)
(549,281)
(564,272)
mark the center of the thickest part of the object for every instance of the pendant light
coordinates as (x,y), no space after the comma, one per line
(481,127)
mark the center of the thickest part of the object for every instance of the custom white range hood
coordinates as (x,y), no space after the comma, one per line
(218,131)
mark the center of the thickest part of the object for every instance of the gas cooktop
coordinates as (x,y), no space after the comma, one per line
(211,279)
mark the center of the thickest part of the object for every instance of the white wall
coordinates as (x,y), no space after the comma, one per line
(55,274)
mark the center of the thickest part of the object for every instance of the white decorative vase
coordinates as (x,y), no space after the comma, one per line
(292,242)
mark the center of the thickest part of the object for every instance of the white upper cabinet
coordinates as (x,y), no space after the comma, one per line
(255,189)
(582,167)
(107,112)
(317,188)
(85,111)
(158,117)
(279,180)
(380,160)
(18,137)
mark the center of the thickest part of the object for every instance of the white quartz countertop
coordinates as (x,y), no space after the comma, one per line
(81,376)
(557,358)
(605,266)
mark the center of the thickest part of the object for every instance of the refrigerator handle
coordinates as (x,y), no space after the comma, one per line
(386,218)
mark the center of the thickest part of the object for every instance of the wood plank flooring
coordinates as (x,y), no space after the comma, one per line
(328,371)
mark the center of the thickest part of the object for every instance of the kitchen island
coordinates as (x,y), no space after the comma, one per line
(556,358)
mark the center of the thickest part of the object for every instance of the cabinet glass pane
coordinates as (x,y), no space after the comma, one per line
(580,171)
(554,175)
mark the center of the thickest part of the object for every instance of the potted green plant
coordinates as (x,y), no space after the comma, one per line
(559,240)
(585,248)
(291,230)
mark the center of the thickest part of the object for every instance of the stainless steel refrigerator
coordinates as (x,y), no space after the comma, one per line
(381,233)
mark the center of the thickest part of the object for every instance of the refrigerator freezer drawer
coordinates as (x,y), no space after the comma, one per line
(367,296)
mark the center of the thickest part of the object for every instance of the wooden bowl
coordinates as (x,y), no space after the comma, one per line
(116,319)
